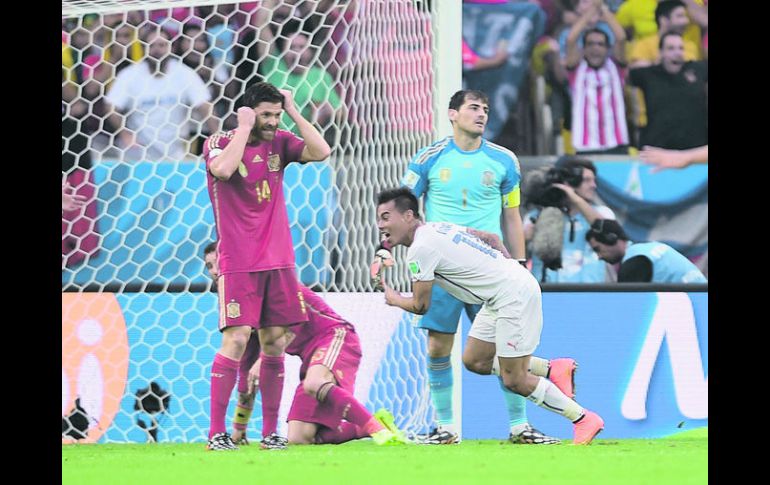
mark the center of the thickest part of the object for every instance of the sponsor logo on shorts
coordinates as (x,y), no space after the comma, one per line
(233,309)
(302,305)
(340,376)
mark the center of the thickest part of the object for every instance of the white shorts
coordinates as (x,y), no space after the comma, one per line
(514,328)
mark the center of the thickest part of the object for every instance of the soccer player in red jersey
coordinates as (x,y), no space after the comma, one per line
(258,287)
(324,410)
(246,393)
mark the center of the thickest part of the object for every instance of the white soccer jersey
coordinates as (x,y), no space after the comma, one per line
(463,265)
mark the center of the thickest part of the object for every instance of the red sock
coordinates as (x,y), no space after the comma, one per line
(223,374)
(340,403)
(271,387)
(344,432)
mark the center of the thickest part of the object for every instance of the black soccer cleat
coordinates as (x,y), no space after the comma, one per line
(439,436)
(273,442)
(531,436)
(221,442)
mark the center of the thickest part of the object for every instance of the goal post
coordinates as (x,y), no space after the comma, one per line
(375,76)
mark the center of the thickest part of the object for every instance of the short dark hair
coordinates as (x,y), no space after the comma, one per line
(606,231)
(404,200)
(262,92)
(210,248)
(570,161)
(596,30)
(665,36)
(459,97)
(665,7)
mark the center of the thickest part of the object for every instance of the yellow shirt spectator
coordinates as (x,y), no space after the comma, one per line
(638,16)
(647,50)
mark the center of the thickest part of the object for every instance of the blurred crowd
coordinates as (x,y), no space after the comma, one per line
(618,75)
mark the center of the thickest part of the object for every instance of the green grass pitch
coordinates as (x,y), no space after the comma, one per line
(679,459)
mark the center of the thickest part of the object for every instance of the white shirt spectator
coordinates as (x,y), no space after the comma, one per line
(159,107)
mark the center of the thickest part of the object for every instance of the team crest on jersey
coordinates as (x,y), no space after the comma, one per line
(274,163)
(233,309)
(444,175)
(488,178)
(411,178)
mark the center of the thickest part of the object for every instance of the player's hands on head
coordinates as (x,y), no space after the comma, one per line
(246,117)
(288,101)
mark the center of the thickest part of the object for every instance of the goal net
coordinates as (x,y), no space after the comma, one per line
(139,317)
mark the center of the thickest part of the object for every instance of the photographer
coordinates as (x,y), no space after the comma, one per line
(642,262)
(556,230)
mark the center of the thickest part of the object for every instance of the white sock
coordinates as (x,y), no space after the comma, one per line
(538,366)
(519,428)
(548,396)
(448,427)
(538,395)
(495,366)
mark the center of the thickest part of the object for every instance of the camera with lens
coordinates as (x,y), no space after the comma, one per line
(543,192)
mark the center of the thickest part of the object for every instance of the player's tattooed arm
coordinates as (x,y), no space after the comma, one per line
(491,239)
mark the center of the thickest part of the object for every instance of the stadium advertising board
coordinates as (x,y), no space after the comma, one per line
(643,363)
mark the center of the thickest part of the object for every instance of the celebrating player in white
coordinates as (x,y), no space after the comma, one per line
(475,267)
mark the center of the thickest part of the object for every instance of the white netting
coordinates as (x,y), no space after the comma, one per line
(366,70)
(134,152)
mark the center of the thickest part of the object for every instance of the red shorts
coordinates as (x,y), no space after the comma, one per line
(340,352)
(260,299)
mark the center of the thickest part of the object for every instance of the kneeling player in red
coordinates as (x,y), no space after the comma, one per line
(324,409)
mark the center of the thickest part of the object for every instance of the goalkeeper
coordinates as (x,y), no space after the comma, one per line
(470,181)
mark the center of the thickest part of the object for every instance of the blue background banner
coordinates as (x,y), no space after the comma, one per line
(643,361)
(605,333)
